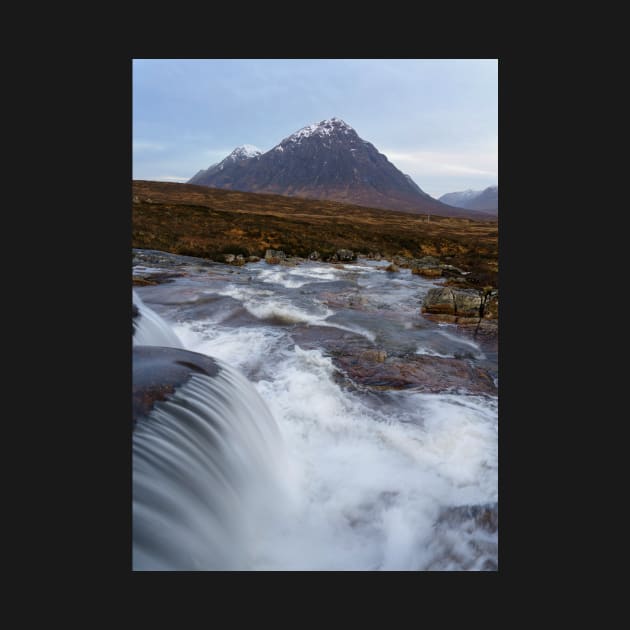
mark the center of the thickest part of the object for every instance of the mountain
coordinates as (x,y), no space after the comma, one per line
(228,168)
(327,160)
(486,200)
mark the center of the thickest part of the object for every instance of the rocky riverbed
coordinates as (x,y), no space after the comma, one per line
(384,384)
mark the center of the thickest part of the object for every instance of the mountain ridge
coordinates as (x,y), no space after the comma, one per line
(486,200)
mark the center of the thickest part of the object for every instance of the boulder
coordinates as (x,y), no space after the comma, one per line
(345,255)
(240,260)
(467,302)
(391,267)
(439,300)
(229,258)
(461,303)
(314,255)
(253,259)
(272,255)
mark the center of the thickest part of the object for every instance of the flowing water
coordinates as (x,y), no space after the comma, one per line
(319,467)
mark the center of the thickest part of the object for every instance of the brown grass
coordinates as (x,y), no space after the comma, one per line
(208,222)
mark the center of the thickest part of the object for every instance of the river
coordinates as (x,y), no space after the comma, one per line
(388,421)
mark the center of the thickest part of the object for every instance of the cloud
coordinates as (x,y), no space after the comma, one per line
(424,163)
(171,178)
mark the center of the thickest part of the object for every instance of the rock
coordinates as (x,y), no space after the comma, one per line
(334,258)
(274,254)
(139,281)
(314,255)
(345,255)
(467,302)
(391,268)
(136,199)
(374,355)
(422,373)
(449,271)
(439,300)
(461,303)
(468,321)
(229,258)
(253,259)
(158,371)
(491,306)
(402,262)
(427,272)
(240,260)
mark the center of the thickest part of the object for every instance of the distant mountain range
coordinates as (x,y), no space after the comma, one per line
(327,160)
(486,200)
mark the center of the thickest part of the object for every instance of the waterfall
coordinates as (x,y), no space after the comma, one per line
(207,459)
(149,329)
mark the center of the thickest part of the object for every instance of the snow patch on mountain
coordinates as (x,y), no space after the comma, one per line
(244,152)
(323,128)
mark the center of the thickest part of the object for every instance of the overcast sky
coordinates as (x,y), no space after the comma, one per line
(434,119)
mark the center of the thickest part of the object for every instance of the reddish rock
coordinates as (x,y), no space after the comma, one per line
(426,374)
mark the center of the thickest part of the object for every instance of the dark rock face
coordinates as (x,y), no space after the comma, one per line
(327,160)
(158,371)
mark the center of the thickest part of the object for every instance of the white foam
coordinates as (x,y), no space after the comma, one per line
(367,487)
(459,339)
(431,353)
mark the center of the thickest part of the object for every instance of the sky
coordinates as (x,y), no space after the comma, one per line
(434,119)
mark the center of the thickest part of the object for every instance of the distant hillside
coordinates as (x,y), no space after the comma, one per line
(486,200)
(327,160)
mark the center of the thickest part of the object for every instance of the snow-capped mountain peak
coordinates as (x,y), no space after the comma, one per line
(244,152)
(323,128)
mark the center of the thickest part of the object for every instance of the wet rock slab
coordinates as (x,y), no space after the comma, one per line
(424,373)
(158,372)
